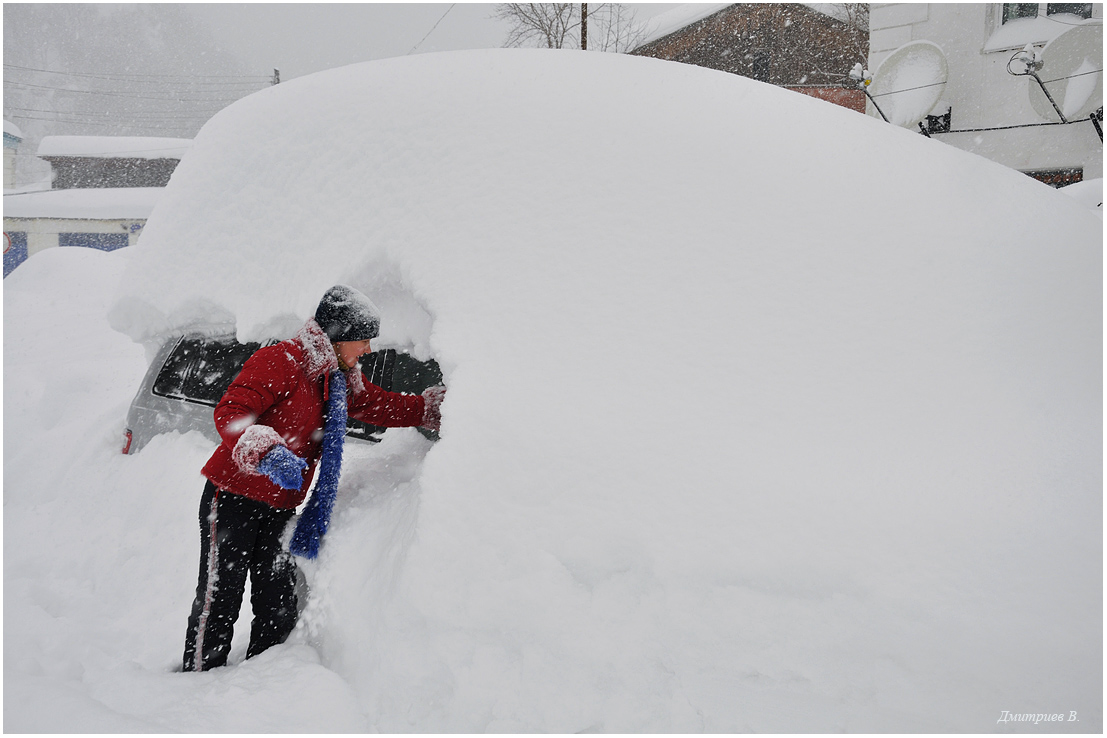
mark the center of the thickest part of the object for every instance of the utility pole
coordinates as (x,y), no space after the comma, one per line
(276,77)
(584,26)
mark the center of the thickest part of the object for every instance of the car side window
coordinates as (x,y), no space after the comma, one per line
(395,372)
(413,376)
(378,368)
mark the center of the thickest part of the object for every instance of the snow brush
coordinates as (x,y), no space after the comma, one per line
(313,522)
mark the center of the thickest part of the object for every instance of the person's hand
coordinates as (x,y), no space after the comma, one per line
(285,468)
(432,409)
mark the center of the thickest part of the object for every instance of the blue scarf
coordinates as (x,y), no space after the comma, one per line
(317,514)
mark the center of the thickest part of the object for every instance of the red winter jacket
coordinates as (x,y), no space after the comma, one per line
(279,398)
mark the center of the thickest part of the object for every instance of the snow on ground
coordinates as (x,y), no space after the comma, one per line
(763,416)
(1088,192)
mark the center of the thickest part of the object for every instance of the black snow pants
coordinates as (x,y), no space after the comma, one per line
(239,535)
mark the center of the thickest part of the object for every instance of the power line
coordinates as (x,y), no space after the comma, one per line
(119,94)
(1018,125)
(137,77)
(416,46)
(1081,74)
(936,84)
(100,125)
(908,89)
(135,115)
(64,117)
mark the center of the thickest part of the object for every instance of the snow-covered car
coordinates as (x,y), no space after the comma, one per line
(194,367)
(763,415)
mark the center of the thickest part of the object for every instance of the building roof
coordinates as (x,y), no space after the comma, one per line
(131,203)
(663,24)
(12,129)
(114,147)
(671,21)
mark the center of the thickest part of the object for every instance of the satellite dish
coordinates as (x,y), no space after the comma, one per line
(1072,71)
(908,84)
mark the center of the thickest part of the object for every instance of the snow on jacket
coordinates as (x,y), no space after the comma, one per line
(279,398)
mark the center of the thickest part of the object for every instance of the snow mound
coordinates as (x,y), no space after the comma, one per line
(1089,192)
(763,415)
(108,147)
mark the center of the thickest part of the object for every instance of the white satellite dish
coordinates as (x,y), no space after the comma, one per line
(1072,71)
(907,85)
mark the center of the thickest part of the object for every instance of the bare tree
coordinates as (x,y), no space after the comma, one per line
(611,27)
(856,18)
(616,28)
(546,25)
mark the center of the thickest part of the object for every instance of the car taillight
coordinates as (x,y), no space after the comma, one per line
(127,441)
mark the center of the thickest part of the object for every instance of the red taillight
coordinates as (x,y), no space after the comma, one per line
(127,441)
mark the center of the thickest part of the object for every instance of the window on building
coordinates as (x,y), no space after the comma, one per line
(1012,11)
(15,250)
(1058,177)
(761,66)
(1081,10)
(100,241)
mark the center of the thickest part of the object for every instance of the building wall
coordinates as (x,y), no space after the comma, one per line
(980,93)
(847,98)
(9,168)
(11,144)
(85,172)
(784,44)
(32,235)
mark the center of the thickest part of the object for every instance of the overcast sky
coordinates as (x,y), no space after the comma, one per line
(299,39)
(149,69)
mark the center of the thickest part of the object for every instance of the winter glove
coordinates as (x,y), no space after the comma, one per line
(432,409)
(285,468)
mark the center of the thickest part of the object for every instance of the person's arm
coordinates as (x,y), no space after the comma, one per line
(371,404)
(264,381)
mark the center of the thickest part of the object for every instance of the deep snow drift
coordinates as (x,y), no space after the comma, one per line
(763,415)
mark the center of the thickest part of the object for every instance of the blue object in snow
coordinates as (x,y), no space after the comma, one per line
(285,468)
(317,514)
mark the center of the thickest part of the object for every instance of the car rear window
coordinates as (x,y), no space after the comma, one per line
(201,369)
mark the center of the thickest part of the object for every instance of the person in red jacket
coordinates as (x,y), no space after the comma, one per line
(271,420)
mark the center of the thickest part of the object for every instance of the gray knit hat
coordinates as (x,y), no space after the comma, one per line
(345,314)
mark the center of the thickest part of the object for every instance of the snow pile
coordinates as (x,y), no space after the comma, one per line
(1041,29)
(100,203)
(128,147)
(1089,192)
(681,16)
(785,420)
